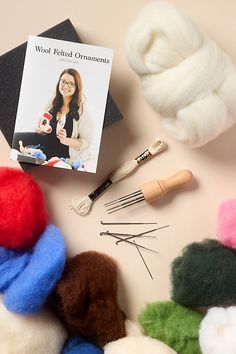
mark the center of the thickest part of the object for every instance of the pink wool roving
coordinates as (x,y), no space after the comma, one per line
(227,223)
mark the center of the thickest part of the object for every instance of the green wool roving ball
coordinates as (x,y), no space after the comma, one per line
(173,324)
(204,275)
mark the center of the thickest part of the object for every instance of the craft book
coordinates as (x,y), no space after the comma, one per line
(62,104)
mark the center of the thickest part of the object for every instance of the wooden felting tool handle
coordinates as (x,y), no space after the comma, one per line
(154,190)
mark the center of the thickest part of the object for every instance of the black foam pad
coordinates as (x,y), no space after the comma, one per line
(11,70)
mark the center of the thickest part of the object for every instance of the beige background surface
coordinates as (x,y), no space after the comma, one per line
(192,214)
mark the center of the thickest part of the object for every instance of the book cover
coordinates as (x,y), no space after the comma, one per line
(62,104)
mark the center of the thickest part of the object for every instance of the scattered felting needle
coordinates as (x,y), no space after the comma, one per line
(141,234)
(82,206)
(151,191)
(128,223)
(144,262)
(126,235)
(129,242)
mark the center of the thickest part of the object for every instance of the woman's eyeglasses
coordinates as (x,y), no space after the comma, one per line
(70,84)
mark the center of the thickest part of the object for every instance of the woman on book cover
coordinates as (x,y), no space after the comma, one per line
(65,130)
(70,133)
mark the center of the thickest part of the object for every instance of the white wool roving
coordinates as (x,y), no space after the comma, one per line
(37,334)
(137,345)
(217,334)
(184,74)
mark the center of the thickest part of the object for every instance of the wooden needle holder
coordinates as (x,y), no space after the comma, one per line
(157,189)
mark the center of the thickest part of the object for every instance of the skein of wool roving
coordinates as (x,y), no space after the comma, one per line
(184,75)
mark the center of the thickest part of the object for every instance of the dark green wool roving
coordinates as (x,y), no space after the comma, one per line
(204,275)
(173,324)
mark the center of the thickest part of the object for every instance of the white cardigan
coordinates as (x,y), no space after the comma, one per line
(83,130)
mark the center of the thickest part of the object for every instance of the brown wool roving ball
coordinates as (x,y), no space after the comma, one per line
(86,298)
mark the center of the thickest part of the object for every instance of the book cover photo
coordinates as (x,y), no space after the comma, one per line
(62,104)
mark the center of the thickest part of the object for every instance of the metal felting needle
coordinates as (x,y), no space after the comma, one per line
(144,262)
(151,191)
(129,242)
(128,237)
(128,223)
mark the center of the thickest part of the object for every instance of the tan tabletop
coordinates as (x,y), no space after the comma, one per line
(191,214)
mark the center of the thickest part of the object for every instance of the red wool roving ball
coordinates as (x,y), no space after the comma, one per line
(22,212)
(227,223)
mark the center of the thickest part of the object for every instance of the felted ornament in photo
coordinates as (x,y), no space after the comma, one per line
(85,298)
(184,74)
(22,211)
(217,331)
(226,228)
(204,275)
(39,334)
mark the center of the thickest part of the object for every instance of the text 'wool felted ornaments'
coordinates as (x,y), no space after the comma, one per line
(173,324)
(185,76)
(217,331)
(38,334)
(227,223)
(85,298)
(204,275)
(27,279)
(22,212)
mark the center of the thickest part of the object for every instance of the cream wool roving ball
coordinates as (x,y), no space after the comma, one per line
(37,334)
(184,75)
(136,343)
(217,331)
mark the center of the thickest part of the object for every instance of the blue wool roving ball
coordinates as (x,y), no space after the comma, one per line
(29,291)
(12,263)
(77,345)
